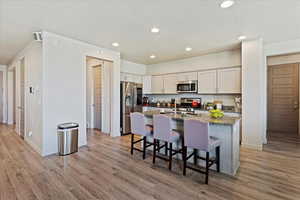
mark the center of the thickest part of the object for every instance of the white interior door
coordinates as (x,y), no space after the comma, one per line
(106,96)
(97,80)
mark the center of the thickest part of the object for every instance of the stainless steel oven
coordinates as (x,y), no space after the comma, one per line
(187,87)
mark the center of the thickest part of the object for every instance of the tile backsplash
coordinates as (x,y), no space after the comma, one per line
(228,100)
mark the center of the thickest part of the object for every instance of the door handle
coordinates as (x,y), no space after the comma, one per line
(296,105)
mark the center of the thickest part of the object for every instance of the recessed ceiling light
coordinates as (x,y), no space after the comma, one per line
(155,30)
(115,44)
(152,56)
(242,37)
(227,3)
(188,48)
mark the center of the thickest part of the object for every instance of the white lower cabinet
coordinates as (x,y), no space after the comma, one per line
(229,81)
(207,82)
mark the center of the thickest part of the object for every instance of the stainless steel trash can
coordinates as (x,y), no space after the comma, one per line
(67,138)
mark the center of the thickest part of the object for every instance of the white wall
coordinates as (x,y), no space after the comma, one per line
(253,94)
(33,102)
(133,68)
(3,68)
(65,86)
(210,61)
(281,48)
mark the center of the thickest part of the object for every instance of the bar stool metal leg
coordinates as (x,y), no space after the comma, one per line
(154,151)
(170,156)
(132,140)
(184,155)
(166,148)
(207,168)
(144,147)
(218,158)
(195,156)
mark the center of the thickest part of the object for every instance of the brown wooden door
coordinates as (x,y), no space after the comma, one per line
(283,98)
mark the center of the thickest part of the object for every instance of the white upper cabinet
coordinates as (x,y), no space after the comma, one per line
(207,82)
(157,84)
(229,81)
(147,85)
(131,78)
(170,84)
(191,76)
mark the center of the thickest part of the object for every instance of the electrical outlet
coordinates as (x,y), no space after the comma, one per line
(30,133)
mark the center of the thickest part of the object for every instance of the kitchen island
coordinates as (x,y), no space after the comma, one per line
(227,129)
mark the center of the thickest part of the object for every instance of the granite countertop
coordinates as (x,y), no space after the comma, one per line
(200,109)
(225,120)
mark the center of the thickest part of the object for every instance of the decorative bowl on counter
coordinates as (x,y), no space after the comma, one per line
(216,113)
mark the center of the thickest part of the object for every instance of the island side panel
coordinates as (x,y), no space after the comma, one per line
(230,148)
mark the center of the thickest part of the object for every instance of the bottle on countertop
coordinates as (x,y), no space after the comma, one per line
(158,104)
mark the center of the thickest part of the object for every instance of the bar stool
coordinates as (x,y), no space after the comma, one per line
(139,127)
(163,131)
(196,136)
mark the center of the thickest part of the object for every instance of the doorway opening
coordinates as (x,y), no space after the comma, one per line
(21,106)
(98,95)
(283,97)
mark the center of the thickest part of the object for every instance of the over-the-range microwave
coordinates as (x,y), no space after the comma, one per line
(187,87)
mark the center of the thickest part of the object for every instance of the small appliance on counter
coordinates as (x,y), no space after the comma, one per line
(173,101)
(190,102)
(238,103)
(218,105)
(209,106)
(146,101)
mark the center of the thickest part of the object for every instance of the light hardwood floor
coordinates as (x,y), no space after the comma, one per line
(106,170)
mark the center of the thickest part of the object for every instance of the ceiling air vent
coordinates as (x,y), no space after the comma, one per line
(37,36)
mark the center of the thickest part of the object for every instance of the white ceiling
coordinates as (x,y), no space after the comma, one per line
(201,24)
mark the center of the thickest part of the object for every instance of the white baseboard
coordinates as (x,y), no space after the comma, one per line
(253,146)
(34,146)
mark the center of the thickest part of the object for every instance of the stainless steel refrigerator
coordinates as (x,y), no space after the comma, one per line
(131,101)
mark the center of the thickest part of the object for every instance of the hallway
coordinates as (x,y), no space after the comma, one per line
(105,170)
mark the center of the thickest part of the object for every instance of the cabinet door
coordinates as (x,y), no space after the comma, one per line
(137,79)
(170,82)
(157,84)
(191,76)
(229,81)
(146,84)
(207,82)
(130,78)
